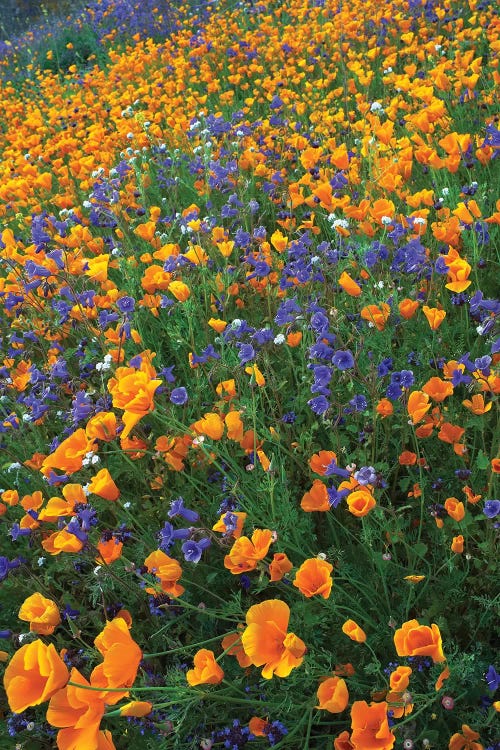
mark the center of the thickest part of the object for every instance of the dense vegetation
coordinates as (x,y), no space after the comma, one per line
(249,376)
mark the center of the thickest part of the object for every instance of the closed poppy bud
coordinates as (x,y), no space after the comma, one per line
(457,545)
(454,508)
(333,695)
(349,285)
(360,503)
(34,673)
(313,578)
(353,631)
(136,708)
(279,566)
(103,485)
(294,338)
(413,639)
(206,671)
(258,726)
(41,613)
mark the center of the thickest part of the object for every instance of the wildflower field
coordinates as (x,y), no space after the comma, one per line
(249,348)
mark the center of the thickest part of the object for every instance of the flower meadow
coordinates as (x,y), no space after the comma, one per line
(249,444)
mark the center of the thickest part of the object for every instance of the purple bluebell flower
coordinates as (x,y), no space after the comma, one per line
(179,396)
(319,405)
(491,508)
(344,360)
(126,304)
(178,508)
(334,469)
(7,565)
(366,475)
(167,535)
(335,496)
(193,551)
(246,353)
(492,678)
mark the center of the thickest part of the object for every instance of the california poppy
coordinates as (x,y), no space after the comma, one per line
(333,695)
(206,671)
(370,726)
(353,631)
(41,613)
(266,641)
(313,578)
(413,639)
(33,675)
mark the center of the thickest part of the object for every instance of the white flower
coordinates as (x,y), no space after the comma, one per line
(41,561)
(279,339)
(386,220)
(376,107)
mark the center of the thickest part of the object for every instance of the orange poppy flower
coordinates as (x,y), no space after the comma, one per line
(360,502)
(407,458)
(62,541)
(102,426)
(438,389)
(316,499)
(418,405)
(376,315)
(333,695)
(319,462)
(266,641)
(279,566)
(495,465)
(454,508)
(313,578)
(349,285)
(109,551)
(206,671)
(232,645)
(400,678)
(384,408)
(407,308)
(77,711)
(246,553)
(41,613)
(121,655)
(434,316)
(466,740)
(180,290)
(33,675)
(370,727)
(234,424)
(476,405)
(102,484)
(353,631)
(457,545)
(167,570)
(413,639)
(256,374)
(450,433)
(132,390)
(211,425)
(69,455)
